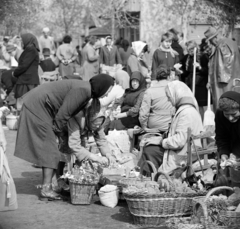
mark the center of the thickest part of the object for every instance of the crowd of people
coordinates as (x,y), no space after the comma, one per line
(153,91)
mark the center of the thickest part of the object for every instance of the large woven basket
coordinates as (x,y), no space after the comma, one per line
(81,193)
(231,218)
(153,210)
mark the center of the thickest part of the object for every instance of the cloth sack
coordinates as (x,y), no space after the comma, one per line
(8,195)
(109,195)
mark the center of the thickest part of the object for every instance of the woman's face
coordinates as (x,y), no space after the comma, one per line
(191,51)
(167,44)
(96,124)
(232,115)
(108,91)
(135,84)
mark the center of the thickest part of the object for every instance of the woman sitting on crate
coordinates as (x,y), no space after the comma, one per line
(171,152)
(130,104)
(228,133)
(156,110)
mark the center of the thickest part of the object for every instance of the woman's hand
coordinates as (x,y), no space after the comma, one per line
(121,115)
(224,157)
(208,86)
(111,159)
(154,141)
(197,65)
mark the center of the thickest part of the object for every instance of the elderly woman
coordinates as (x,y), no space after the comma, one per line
(201,73)
(130,104)
(27,70)
(171,152)
(227,131)
(66,54)
(164,54)
(156,110)
(135,62)
(44,116)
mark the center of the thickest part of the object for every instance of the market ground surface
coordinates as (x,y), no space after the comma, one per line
(35,214)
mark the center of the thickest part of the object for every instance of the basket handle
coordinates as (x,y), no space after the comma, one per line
(151,165)
(166,175)
(145,135)
(217,189)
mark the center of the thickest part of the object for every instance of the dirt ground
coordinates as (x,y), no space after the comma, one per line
(35,214)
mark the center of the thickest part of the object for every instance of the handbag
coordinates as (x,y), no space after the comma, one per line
(8,195)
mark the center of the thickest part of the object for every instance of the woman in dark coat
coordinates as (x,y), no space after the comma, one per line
(227,120)
(45,113)
(130,104)
(201,73)
(27,70)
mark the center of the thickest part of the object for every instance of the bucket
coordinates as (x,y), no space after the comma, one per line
(12,122)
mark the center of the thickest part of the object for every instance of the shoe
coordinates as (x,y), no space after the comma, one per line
(47,194)
(56,188)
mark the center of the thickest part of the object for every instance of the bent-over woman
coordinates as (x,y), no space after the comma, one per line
(45,113)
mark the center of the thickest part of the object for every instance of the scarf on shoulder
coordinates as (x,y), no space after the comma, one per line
(172,52)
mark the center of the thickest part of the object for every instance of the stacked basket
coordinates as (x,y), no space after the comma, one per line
(230,219)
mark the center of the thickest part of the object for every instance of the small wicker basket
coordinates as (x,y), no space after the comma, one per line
(231,218)
(81,193)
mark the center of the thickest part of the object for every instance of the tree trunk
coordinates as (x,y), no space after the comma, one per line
(113,24)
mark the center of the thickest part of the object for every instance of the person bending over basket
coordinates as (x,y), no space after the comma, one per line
(44,116)
(228,133)
(171,152)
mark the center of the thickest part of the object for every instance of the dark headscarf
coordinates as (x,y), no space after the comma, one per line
(233,95)
(142,82)
(99,86)
(29,39)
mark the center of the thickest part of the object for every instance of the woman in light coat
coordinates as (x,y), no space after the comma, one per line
(156,110)
(90,57)
(171,152)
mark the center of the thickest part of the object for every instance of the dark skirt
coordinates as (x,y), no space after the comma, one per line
(201,95)
(124,123)
(22,89)
(151,153)
(36,141)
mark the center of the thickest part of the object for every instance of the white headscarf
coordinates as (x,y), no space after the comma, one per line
(181,94)
(138,46)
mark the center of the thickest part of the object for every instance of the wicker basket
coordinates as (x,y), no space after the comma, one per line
(153,210)
(231,218)
(81,193)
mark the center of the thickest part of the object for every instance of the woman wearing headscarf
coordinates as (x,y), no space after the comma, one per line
(135,62)
(118,89)
(45,113)
(27,70)
(171,152)
(228,132)
(130,104)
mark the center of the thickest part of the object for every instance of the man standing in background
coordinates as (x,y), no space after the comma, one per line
(46,41)
(224,64)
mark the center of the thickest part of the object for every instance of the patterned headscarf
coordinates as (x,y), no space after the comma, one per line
(181,94)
